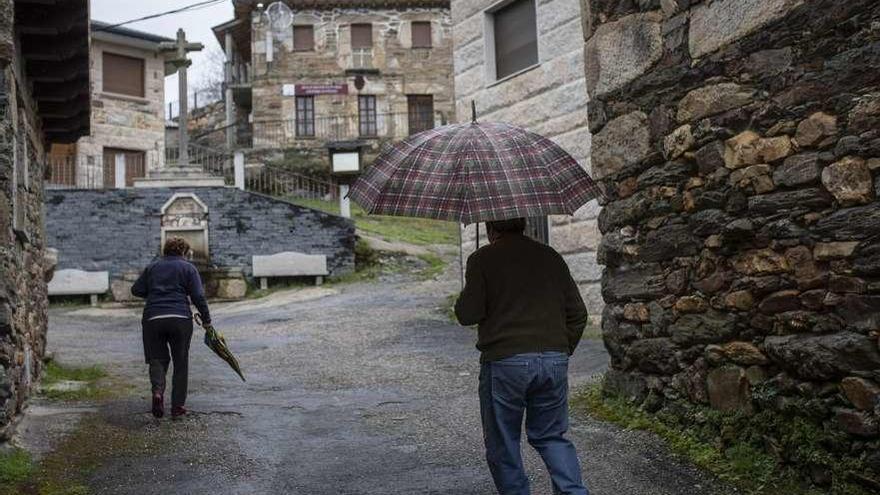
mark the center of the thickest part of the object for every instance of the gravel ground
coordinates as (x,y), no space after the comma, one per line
(356,389)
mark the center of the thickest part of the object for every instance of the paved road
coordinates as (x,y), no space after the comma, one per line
(359,389)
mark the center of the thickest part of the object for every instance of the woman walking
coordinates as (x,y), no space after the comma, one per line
(168,285)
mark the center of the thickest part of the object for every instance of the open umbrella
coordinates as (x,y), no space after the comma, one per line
(474,172)
(217,343)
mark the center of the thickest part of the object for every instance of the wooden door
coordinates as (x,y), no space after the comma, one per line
(133,163)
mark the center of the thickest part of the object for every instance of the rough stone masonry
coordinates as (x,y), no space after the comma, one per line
(740,147)
(23,260)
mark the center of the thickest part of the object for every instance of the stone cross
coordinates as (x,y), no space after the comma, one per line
(177,58)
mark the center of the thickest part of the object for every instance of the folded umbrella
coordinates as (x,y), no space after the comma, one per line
(217,343)
(474,172)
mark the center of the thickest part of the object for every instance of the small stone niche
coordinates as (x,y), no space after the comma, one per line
(185,216)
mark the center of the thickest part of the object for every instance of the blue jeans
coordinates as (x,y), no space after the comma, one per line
(535,384)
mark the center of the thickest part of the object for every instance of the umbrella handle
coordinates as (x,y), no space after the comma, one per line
(198,319)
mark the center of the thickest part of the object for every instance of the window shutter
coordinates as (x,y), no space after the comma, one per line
(303,38)
(362,36)
(516,38)
(123,75)
(421,113)
(421,35)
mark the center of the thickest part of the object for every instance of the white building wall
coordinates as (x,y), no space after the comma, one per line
(550,99)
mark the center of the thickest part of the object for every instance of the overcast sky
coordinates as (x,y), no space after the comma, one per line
(196,23)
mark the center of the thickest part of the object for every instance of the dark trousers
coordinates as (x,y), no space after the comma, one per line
(167,340)
(534,384)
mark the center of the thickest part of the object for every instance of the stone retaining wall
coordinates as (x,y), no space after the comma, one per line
(23,261)
(119,230)
(739,143)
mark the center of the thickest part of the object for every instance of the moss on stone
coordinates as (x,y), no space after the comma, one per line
(761,454)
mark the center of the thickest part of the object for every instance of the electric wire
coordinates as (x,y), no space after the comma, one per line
(195,6)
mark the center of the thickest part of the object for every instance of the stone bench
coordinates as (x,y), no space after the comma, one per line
(289,264)
(72,282)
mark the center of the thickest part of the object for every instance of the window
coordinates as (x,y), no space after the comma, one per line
(421,35)
(122,167)
(362,36)
(123,75)
(515,37)
(421,113)
(367,125)
(303,38)
(362,46)
(305,116)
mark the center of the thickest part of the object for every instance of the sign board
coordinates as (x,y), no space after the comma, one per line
(288,90)
(321,89)
(346,162)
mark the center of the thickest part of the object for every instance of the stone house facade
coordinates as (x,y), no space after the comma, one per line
(739,142)
(544,91)
(128,119)
(43,100)
(358,72)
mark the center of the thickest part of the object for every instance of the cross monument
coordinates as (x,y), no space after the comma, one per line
(183,174)
(179,61)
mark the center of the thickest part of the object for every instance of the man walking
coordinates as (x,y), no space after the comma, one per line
(531,317)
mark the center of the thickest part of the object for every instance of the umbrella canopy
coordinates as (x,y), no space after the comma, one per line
(217,343)
(474,172)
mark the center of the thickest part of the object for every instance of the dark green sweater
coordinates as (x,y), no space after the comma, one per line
(521,294)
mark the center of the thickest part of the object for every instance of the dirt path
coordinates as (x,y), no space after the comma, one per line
(359,389)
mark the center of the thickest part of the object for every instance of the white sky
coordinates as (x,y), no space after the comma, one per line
(196,23)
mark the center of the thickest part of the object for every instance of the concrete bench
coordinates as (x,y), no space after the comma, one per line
(289,264)
(72,282)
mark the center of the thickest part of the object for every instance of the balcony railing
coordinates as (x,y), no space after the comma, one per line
(295,133)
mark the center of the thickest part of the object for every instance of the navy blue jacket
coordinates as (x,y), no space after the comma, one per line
(166,284)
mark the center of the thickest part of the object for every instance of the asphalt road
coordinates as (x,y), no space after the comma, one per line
(358,389)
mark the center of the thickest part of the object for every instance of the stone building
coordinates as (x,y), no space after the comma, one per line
(522,62)
(739,141)
(44,99)
(356,72)
(128,120)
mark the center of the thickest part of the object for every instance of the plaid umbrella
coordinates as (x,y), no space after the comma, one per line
(474,172)
(217,343)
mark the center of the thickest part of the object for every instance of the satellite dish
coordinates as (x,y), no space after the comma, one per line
(280,17)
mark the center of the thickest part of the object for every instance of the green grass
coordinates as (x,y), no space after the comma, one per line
(434,266)
(92,389)
(419,231)
(16,467)
(731,446)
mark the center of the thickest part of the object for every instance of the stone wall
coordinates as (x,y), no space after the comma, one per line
(23,263)
(397,70)
(123,234)
(550,99)
(739,142)
(121,121)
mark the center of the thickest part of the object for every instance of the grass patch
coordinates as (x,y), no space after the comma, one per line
(419,231)
(16,467)
(69,383)
(66,470)
(734,447)
(592,332)
(434,266)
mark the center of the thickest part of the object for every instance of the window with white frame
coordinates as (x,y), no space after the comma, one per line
(362,46)
(511,34)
